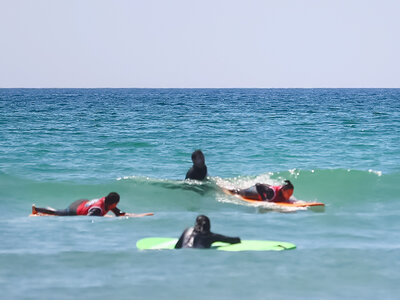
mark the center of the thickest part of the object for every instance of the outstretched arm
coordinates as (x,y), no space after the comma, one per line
(226,239)
(118,212)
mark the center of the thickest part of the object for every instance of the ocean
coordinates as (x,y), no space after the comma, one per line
(337,146)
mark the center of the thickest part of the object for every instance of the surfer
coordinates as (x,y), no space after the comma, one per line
(199,169)
(266,192)
(200,235)
(84,207)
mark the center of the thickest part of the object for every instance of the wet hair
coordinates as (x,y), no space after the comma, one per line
(198,157)
(288,185)
(112,198)
(202,224)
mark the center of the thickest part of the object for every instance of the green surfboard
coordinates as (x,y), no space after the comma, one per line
(160,243)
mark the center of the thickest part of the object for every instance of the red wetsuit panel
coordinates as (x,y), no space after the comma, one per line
(84,207)
(278,197)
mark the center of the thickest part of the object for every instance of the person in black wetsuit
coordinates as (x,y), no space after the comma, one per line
(199,169)
(200,235)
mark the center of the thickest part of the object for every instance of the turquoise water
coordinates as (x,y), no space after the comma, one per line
(338,146)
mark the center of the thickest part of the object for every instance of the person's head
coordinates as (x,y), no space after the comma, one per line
(287,189)
(198,158)
(202,224)
(112,200)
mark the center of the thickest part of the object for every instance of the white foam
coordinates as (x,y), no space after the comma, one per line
(379,173)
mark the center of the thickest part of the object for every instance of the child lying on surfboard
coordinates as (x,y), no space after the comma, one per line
(84,207)
(266,192)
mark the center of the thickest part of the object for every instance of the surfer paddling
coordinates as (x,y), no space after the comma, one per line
(200,235)
(266,192)
(84,207)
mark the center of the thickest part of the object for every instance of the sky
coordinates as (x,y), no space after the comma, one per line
(200,44)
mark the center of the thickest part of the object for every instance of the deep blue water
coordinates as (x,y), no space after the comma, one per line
(338,146)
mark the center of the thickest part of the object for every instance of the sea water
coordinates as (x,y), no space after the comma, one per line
(337,146)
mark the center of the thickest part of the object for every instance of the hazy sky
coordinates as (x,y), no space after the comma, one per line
(203,43)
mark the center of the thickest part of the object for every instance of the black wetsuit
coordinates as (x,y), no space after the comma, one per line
(193,239)
(197,173)
(70,211)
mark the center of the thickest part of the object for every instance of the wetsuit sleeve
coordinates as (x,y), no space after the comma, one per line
(118,212)
(94,211)
(179,244)
(225,239)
